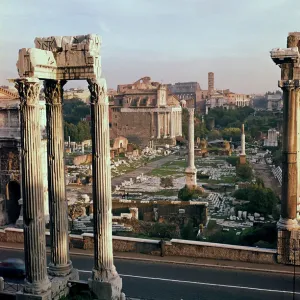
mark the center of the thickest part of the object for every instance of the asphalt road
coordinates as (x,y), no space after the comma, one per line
(161,281)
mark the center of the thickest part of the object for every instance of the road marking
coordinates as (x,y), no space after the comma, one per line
(202,283)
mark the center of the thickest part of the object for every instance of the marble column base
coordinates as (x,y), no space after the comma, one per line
(191,177)
(59,285)
(243,159)
(109,290)
(24,296)
(60,270)
(287,224)
(20,222)
(37,288)
(288,250)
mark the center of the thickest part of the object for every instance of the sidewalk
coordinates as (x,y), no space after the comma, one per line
(188,261)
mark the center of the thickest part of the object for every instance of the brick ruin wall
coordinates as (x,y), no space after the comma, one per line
(136,127)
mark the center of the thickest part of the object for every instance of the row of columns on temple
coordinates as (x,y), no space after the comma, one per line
(37,279)
(170,122)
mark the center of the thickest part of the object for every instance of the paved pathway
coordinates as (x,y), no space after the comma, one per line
(145,169)
(263,171)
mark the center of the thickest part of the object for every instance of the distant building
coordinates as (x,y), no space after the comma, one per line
(144,112)
(186,91)
(73,93)
(274,102)
(272,139)
(239,100)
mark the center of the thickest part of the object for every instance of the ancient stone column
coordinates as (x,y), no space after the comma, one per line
(243,145)
(172,125)
(105,281)
(37,281)
(165,125)
(288,219)
(60,264)
(152,125)
(158,125)
(191,172)
(180,123)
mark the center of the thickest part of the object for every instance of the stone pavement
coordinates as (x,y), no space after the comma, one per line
(145,169)
(201,262)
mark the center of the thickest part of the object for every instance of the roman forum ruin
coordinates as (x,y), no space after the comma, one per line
(55,60)
(191,171)
(288,60)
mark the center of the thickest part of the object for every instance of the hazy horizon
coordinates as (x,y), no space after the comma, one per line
(170,41)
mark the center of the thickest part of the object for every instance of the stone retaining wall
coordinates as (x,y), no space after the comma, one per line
(175,247)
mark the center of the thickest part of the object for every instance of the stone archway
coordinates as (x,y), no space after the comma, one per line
(12,205)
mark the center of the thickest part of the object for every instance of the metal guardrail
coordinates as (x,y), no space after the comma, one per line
(12,287)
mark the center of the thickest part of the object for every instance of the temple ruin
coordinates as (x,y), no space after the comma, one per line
(55,60)
(146,112)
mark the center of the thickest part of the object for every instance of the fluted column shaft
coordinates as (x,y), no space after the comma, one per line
(37,280)
(60,264)
(165,125)
(171,125)
(191,161)
(158,125)
(104,269)
(152,125)
(289,155)
(180,123)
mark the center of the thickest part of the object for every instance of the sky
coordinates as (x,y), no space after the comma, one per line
(168,40)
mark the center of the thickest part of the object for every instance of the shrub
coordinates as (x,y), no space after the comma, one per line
(164,231)
(166,181)
(244,171)
(186,193)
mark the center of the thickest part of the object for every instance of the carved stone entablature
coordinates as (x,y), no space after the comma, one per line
(289,84)
(64,57)
(286,55)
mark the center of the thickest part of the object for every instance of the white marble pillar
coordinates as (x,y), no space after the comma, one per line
(191,172)
(37,281)
(152,125)
(175,123)
(243,142)
(165,125)
(158,125)
(180,123)
(60,264)
(105,280)
(172,124)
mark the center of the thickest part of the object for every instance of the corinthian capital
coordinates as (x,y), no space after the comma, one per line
(53,90)
(29,90)
(98,91)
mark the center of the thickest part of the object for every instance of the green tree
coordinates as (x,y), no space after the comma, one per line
(187,232)
(75,110)
(244,171)
(186,193)
(231,132)
(214,134)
